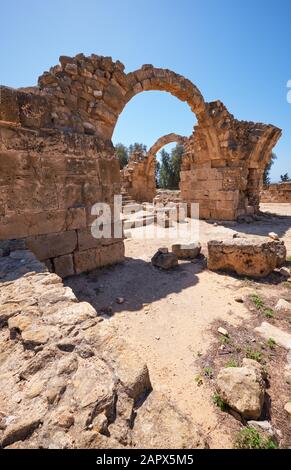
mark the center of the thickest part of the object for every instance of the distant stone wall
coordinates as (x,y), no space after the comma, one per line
(280,192)
(138,178)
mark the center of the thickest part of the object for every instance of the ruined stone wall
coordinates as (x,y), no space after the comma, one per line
(138,178)
(280,193)
(223,165)
(49,180)
(57,158)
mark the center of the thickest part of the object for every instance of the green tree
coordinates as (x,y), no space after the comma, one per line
(169,172)
(157,173)
(266,176)
(137,147)
(165,174)
(284,178)
(176,160)
(121,153)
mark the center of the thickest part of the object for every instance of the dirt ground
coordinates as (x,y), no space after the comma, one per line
(171,318)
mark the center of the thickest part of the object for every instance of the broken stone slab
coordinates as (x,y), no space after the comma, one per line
(164,260)
(242,389)
(160,424)
(222,331)
(264,426)
(273,235)
(285,272)
(37,335)
(20,430)
(267,331)
(184,251)
(282,306)
(253,257)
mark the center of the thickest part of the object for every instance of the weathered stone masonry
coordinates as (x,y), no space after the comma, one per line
(57,158)
(280,193)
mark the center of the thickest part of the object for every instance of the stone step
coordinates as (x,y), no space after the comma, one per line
(138,222)
(128,208)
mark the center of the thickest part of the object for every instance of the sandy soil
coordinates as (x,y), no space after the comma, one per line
(168,317)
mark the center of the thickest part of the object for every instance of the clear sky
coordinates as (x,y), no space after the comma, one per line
(237,51)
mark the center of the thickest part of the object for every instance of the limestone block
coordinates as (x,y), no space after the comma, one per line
(87,260)
(243,389)
(112,254)
(52,245)
(64,265)
(246,256)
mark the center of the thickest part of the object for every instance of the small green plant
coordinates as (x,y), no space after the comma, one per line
(250,438)
(252,354)
(199,380)
(224,339)
(268,312)
(218,401)
(232,363)
(208,372)
(257,301)
(271,343)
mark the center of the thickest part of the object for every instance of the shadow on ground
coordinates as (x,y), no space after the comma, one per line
(134,280)
(273,223)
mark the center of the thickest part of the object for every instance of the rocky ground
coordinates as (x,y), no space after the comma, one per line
(132,355)
(170,318)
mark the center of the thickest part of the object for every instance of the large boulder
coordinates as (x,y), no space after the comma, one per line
(242,389)
(184,251)
(254,257)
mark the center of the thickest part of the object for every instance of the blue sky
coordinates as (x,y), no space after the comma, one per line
(237,51)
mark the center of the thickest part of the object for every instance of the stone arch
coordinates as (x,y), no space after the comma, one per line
(224,157)
(138,176)
(89,93)
(160,143)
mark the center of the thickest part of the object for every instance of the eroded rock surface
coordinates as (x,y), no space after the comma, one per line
(243,389)
(246,256)
(66,379)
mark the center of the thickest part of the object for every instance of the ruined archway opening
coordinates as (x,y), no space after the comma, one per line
(145,118)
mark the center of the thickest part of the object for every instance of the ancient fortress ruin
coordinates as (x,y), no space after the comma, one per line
(57,158)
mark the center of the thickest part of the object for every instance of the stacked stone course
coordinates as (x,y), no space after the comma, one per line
(280,193)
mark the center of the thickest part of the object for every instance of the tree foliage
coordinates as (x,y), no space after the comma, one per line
(285,178)
(167,171)
(266,176)
(137,147)
(169,174)
(121,153)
